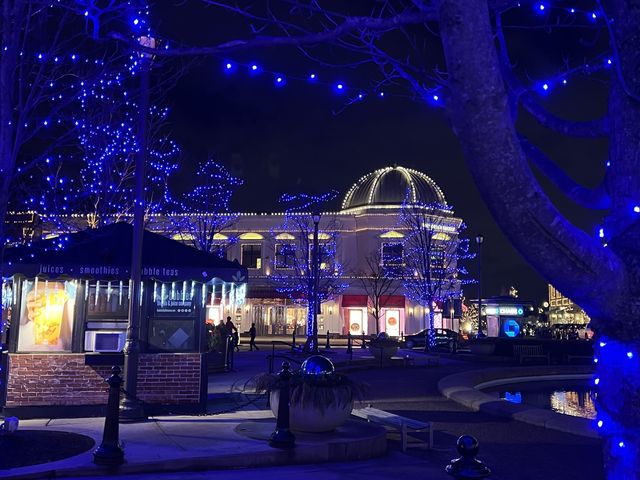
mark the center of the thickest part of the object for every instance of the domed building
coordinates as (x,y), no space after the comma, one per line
(368,224)
(391,187)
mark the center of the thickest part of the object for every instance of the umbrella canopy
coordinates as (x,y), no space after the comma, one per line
(105,254)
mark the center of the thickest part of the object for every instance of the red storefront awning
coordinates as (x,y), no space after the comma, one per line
(354,300)
(392,301)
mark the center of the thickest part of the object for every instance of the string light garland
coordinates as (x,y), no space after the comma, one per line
(617,377)
(213,192)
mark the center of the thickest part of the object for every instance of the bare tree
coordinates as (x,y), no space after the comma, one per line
(380,279)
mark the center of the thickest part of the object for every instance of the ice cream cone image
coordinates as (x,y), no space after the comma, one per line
(45,308)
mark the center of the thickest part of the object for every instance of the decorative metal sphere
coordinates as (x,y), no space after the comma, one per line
(383,336)
(317,365)
(467,446)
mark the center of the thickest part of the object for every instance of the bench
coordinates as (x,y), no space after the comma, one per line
(406,361)
(403,424)
(530,351)
(588,358)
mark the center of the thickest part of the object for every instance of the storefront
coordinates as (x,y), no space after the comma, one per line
(67,309)
(505,316)
(392,319)
(355,314)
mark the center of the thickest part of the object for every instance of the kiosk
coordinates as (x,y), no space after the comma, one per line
(65,315)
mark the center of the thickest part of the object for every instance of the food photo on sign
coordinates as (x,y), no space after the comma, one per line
(46,319)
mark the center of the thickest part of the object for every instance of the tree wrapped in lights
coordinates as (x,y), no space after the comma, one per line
(85,174)
(433,252)
(50,52)
(94,183)
(293,269)
(202,214)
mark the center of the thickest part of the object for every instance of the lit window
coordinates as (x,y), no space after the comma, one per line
(251,256)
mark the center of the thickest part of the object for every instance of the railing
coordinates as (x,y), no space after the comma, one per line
(273,356)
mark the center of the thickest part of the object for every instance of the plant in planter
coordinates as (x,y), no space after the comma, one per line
(320,399)
(382,346)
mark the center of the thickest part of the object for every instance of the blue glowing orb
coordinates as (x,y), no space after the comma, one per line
(317,365)
(511,328)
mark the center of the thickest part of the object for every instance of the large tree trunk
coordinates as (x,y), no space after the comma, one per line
(605,281)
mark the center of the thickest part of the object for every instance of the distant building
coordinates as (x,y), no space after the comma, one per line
(368,221)
(505,316)
(563,310)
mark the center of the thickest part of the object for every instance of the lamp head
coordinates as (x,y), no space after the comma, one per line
(316,217)
(479,238)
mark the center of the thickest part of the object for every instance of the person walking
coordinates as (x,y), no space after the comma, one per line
(230,330)
(252,337)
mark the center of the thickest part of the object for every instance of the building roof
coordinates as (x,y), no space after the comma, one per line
(105,253)
(392,186)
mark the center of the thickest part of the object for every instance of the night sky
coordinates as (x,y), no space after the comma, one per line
(298,138)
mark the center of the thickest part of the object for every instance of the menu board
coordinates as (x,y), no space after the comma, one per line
(46,316)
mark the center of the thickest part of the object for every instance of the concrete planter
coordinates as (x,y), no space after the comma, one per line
(385,352)
(310,418)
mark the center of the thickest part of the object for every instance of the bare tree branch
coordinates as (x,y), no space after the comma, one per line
(596,198)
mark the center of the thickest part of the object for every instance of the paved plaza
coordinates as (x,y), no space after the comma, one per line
(169,447)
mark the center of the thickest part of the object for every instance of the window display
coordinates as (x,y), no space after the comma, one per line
(46,317)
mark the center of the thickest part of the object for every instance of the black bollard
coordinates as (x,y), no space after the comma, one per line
(110,452)
(349,347)
(293,340)
(282,436)
(328,347)
(467,466)
(363,342)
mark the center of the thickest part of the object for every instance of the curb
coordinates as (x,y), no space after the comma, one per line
(309,450)
(462,388)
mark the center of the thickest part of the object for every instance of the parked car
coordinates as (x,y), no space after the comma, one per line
(445,338)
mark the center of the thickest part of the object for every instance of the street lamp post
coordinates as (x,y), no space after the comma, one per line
(479,240)
(131,408)
(316,272)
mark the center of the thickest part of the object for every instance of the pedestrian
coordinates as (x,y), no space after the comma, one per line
(231,330)
(252,337)
(236,340)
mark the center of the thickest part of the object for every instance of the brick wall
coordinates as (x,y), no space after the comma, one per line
(63,379)
(169,378)
(55,379)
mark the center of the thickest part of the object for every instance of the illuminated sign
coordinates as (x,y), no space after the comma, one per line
(504,310)
(511,328)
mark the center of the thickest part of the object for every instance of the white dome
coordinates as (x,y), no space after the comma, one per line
(392,186)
